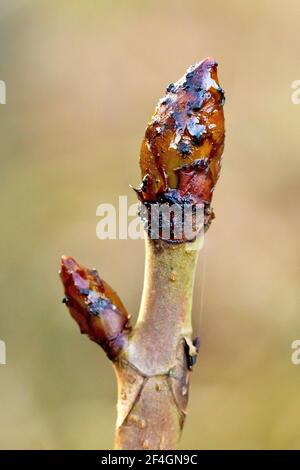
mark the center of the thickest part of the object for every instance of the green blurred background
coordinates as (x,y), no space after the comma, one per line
(82,80)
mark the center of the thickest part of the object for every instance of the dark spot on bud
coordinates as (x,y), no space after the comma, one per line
(96,307)
(66,300)
(192,358)
(171,88)
(84,291)
(222,95)
(186,86)
(192,361)
(184,147)
(196,343)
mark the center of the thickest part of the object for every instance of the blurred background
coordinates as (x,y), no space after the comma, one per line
(82,80)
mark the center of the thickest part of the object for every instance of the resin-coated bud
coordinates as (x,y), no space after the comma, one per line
(95,306)
(181,151)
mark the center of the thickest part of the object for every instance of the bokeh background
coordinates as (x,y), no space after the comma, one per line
(82,80)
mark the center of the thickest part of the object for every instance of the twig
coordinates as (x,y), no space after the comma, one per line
(180,163)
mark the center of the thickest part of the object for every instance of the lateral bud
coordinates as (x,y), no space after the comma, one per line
(95,306)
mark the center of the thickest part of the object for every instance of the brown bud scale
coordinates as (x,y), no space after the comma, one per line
(181,151)
(94,305)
